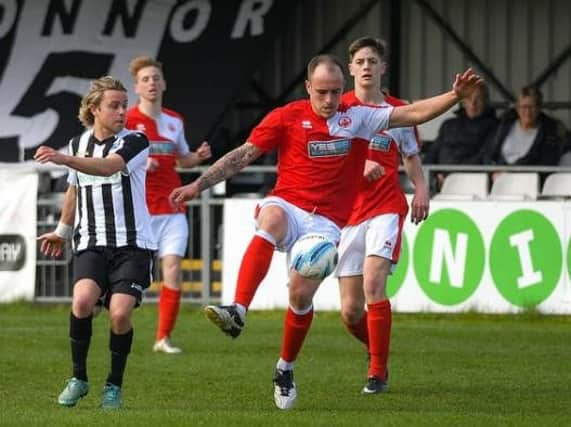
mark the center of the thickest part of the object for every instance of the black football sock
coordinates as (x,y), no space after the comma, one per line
(80,338)
(120,347)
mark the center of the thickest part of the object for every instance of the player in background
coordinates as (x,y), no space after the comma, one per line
(371,241)
(168,148)
(313,191)
(112,237)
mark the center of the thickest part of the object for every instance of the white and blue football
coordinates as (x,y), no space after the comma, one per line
(313,256)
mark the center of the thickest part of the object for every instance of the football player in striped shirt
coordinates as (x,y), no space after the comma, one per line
(104,213)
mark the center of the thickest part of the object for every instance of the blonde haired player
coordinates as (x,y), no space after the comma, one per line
(104,214)
(168,148)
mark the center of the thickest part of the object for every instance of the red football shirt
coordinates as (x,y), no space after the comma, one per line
(166,142)
(386,147)
(319,164)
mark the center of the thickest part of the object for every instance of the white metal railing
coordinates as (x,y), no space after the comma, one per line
(208,201)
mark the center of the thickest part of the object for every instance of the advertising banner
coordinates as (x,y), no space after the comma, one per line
(51,49)
(17,235)
(491,257)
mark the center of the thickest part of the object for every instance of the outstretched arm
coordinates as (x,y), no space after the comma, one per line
(225,167)
(106,166)
(427,109)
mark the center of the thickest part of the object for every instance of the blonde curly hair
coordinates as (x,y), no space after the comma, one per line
(94,96)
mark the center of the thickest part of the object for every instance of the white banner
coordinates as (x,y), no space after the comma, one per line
(19,191)
(492,257)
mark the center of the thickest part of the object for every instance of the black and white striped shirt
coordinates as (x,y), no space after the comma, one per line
(112,211)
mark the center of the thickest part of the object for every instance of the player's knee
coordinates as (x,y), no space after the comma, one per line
(120,321)
(351,314)
(82,307)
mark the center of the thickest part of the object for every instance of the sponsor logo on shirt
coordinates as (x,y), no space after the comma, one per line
(85,179)
(344,122)
(380,143)
(162,147)
(306,124)
(339,147)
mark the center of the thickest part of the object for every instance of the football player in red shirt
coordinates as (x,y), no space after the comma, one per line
(371,241)
(314,190)
(168,148)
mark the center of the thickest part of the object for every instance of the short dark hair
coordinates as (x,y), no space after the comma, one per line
(331,60)
(377,45)
(534,92)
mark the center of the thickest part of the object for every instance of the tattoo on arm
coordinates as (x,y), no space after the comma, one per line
(229,165)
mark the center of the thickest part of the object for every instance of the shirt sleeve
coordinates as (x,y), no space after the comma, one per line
(181,143)
(269,132)
(373,120)
(407,140)
(134,151)
(71,173)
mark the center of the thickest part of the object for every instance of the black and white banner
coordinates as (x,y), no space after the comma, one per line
(51,49)
(17,234)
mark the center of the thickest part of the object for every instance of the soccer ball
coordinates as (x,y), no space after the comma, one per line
(313,256)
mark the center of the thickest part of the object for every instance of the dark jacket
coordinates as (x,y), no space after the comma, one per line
(461,140)
(546,149)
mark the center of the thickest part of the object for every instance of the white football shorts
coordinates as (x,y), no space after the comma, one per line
(171,233)
(301,222)
(380,236)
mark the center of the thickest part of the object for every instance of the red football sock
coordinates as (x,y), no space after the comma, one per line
(359,330)
(255,264)
(169,304)
(295,330)
(379,323)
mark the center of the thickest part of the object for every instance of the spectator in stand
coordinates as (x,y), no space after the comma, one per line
(526,135)
(463,139)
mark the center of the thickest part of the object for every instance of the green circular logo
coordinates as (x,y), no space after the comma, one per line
(525,258)
(396,279)
(449,257)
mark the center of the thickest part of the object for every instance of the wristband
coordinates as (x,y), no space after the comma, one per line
(63,230)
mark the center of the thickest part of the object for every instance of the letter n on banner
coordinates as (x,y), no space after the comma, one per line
(19,190)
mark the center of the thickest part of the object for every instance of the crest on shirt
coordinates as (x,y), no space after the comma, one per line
(171,127)
(141,127)
(380,142)
(306,124)
(345,122)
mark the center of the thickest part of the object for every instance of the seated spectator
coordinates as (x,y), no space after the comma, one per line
(526,135)
(565,159)
(462,139)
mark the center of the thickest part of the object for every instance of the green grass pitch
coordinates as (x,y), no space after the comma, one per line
(446,370)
